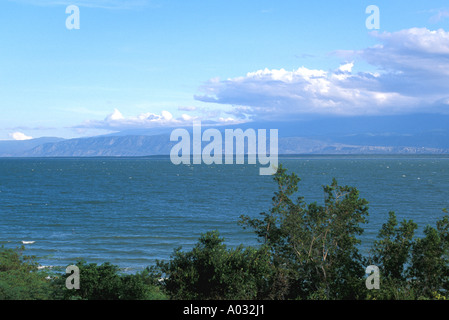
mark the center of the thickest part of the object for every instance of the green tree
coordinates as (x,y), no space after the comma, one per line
(429,267)
(20,278)
(105,282)
(212,271)
(391,253)
(314,247)
(392,250)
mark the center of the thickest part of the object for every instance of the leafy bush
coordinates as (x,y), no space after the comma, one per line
(211,271)
(105,282)
(429,270)
(307,251)
(20,278)
(314,247)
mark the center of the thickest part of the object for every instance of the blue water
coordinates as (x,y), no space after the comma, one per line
(132,211)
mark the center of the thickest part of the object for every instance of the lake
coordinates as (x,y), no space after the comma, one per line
(132,211)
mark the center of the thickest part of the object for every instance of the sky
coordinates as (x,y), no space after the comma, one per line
(150,63)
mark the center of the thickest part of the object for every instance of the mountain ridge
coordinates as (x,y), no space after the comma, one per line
(140,145)
(325,135)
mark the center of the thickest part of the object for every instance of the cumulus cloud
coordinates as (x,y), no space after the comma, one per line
(412,76)
(412,50)
(116,121)
(307,91)
(20,136)
(414,62)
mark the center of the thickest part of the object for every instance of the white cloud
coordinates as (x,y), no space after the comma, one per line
(410,51)
(166,115)
(116,121)
(270,92)
(417,40)
(115,116)
(413,62)
(412,76)
(186,117)
(20,136)
(347,67)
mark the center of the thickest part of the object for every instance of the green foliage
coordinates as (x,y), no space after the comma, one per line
(392,289)
(430,260)
(307,251)
(151,278)
(211,271)
(392,249)
(105,282)
(412,268)
(20,278)
(314,247)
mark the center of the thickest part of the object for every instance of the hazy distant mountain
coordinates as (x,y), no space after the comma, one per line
(14,148)
(104,146)
(297,145)
(387,134)
(161,145)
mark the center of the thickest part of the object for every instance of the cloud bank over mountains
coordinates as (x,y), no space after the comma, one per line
(412,76)
(117,122)
(398,103)
(409,75)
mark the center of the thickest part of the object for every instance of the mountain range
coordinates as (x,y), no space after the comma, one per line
(414,134)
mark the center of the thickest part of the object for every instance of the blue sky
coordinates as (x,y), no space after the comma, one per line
(142,63)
